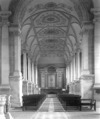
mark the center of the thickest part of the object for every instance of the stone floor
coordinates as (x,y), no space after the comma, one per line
(52,109)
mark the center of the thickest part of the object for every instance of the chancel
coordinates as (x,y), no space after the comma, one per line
(49,58)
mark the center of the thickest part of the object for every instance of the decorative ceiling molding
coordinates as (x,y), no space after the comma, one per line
(50,27)
(51,6)
(52,31)
(50,17)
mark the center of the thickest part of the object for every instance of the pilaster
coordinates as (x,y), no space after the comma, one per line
(16,78)
(96,12)
(86,41)
(4,71)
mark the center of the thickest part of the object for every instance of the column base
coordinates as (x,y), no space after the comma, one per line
(97,92)
(86,83)
(16,91)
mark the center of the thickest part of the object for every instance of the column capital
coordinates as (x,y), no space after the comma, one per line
(4,15)
(87,26)
(78,49)
(15,29)
(96,12)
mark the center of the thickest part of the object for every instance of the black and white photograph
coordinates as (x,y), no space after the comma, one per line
(49,59)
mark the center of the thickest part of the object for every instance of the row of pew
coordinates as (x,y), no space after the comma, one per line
(75,101)
(32,101)
(67,100)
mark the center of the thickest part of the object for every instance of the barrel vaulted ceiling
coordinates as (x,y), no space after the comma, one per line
(50,28)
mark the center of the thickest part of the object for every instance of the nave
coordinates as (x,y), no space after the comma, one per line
(51,104)
(51,108)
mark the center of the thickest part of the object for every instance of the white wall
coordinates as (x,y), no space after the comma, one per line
(51,60)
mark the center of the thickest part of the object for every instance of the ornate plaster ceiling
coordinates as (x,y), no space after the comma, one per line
(51,27)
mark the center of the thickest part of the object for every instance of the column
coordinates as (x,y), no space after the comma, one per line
(4,60)
(86,41)
(32,77)
(64,73)
(24,67)
(70,85)
(35,77)
(29,77)
(78,62)
(25,82)
(68,78)
(46,79)
(74,68)
(74,78)
(71,65)
(29,70)
(68,75)
(96,12)
(86,81)
(78,65)
(32,72)
(16,78)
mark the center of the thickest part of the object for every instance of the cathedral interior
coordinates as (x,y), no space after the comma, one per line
(49,47)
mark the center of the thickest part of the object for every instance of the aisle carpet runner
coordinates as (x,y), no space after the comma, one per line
(51,105)
(51,108)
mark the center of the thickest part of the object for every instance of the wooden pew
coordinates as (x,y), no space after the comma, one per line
(33,101)
(88,102)
(70,100)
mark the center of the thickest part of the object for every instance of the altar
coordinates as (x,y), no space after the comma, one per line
(52,78)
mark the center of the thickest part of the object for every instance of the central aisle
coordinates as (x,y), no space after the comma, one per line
(51,104)
(51,108)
